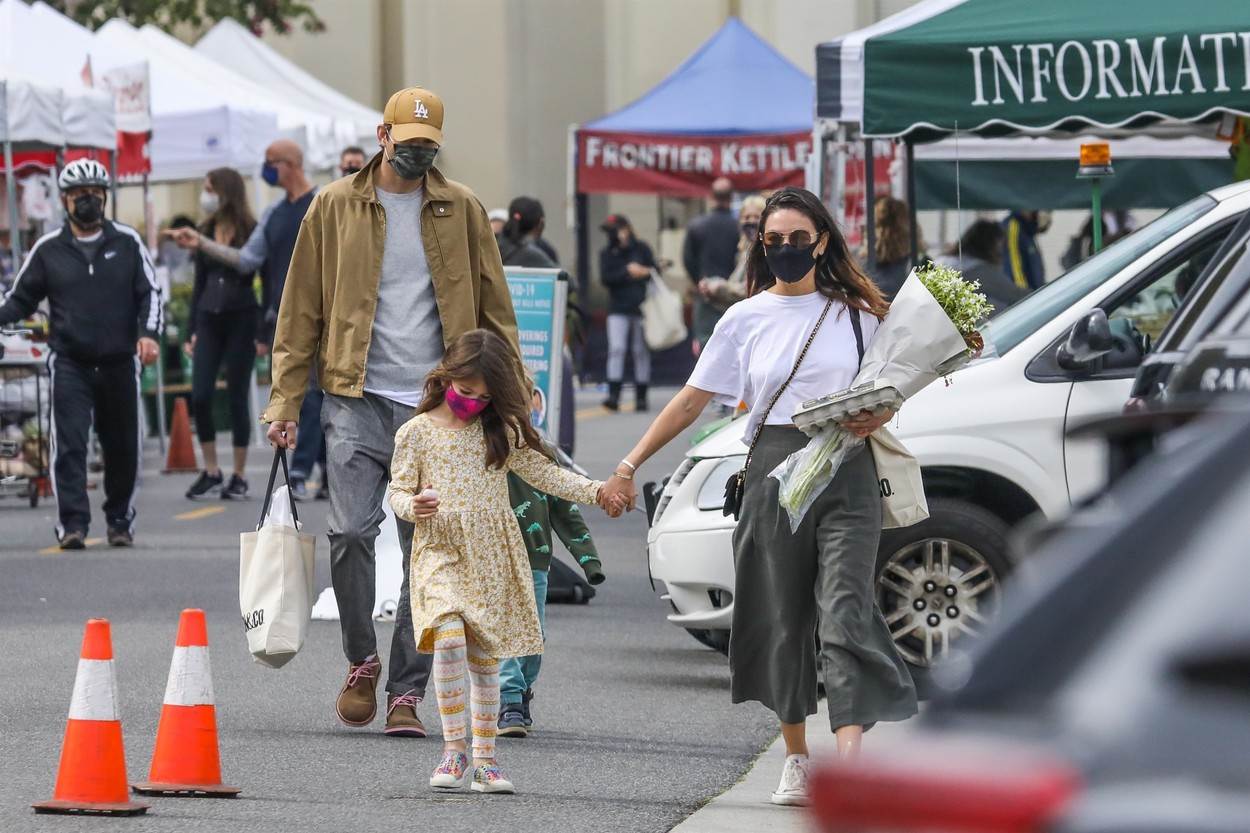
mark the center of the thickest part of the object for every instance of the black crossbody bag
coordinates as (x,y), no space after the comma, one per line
(736,486)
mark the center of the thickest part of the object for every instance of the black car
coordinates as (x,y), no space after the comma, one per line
(1117,681)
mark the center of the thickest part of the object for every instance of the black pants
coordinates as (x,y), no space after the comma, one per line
(223,337)
(110,393)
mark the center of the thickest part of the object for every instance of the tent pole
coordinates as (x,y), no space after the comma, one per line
(10,190)
(911,201)
(870,199)
(113,182)
(161,419)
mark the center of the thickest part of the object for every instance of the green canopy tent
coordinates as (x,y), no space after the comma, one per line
(1010,68)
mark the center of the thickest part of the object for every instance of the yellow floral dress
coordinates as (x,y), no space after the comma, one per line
(469,559)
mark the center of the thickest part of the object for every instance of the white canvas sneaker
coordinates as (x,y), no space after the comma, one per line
(792,791)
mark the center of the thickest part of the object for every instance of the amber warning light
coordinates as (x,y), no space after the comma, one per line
(1096,155)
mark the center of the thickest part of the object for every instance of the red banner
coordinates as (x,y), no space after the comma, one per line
(684,166)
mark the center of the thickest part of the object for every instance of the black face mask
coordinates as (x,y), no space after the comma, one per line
(413,161)
(350,169)
(749,230)
(88,210)
(789,263)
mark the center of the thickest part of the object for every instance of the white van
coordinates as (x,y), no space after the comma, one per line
(990,440)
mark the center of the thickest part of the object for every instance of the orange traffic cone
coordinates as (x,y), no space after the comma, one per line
(181,457)
(92,775)
(185,761)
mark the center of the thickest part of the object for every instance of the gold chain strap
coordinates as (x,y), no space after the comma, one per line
(759,429)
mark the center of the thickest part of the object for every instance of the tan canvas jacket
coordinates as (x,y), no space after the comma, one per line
(331,293)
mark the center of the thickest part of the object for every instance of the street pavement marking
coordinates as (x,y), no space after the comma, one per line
(53,550)
(196,514)
(600,411)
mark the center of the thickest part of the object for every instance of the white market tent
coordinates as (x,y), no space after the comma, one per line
(86,115)
(197,123)
(308,126)
(231,44)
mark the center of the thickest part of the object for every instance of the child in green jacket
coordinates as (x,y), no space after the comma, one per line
(539,515)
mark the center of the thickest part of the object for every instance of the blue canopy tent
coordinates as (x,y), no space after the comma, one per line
(736,108)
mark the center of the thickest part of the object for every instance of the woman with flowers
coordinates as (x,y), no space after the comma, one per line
(799,335)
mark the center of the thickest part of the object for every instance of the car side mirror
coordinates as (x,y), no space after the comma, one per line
(1090,339)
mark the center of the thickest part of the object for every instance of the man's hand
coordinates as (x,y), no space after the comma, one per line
(637,271)
(425,504)
(189,347)
(865,422)
(282,433)
(148,349)
(186,238)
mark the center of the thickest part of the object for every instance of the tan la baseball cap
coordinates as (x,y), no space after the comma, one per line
(415,113)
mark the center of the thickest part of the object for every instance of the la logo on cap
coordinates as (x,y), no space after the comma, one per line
(420,110)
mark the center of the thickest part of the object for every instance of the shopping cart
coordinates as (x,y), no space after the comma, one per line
(25,416)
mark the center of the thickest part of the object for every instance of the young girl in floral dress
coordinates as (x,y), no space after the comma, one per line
(471,585)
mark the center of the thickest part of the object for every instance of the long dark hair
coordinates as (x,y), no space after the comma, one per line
(524,215)
(482,353)
(893,229)
(838,276)
(232,207)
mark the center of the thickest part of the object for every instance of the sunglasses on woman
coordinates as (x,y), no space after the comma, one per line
(798,238)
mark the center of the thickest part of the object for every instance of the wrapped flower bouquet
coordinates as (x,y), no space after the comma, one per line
(930,331)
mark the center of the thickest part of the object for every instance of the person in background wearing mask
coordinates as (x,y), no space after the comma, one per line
(625,267)
(351,161)
(498,219)
(223,322)
(1022,260)
(268,250)
(104,308)
(520,244)
(711,251)
(390,266)
(725,293)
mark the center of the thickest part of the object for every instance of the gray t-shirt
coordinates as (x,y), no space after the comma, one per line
(407,339)
(90,245)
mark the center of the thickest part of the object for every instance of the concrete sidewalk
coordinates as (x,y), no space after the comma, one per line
(745,807)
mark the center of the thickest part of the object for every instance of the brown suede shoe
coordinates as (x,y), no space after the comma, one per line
(401,716)
(358,701)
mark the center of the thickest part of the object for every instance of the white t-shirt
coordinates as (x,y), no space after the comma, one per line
(756,343)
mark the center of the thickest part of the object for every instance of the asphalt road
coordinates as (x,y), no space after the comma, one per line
(635,728)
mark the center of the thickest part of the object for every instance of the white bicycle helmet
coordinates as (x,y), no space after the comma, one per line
(83,173)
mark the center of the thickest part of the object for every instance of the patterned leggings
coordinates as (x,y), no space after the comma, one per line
(450,645)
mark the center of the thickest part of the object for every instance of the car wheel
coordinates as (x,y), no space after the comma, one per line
(716,640)
(939,583)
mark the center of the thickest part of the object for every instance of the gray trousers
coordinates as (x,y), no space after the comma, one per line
(808,592)
(625,332)
(360,441)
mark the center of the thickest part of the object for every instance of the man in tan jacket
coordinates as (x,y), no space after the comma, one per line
(390,266)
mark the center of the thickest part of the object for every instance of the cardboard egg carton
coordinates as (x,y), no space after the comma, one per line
(815,414)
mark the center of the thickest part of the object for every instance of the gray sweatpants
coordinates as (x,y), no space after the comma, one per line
(625,332)
(360,441)
(811,591)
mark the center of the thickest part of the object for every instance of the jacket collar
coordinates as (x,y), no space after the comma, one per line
(364,184)
(109,230)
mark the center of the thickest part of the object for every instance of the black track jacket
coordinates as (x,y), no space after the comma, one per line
(98,310)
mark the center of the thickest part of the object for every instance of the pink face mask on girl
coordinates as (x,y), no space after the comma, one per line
(464,407)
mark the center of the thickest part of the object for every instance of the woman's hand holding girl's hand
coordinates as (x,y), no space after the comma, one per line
(865,422)
(425,505)
(620,493)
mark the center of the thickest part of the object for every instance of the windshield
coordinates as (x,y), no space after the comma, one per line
(1004,332)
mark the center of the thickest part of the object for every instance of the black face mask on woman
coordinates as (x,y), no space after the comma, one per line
(790,264)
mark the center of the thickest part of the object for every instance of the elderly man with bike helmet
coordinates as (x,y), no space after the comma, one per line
(105,317)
